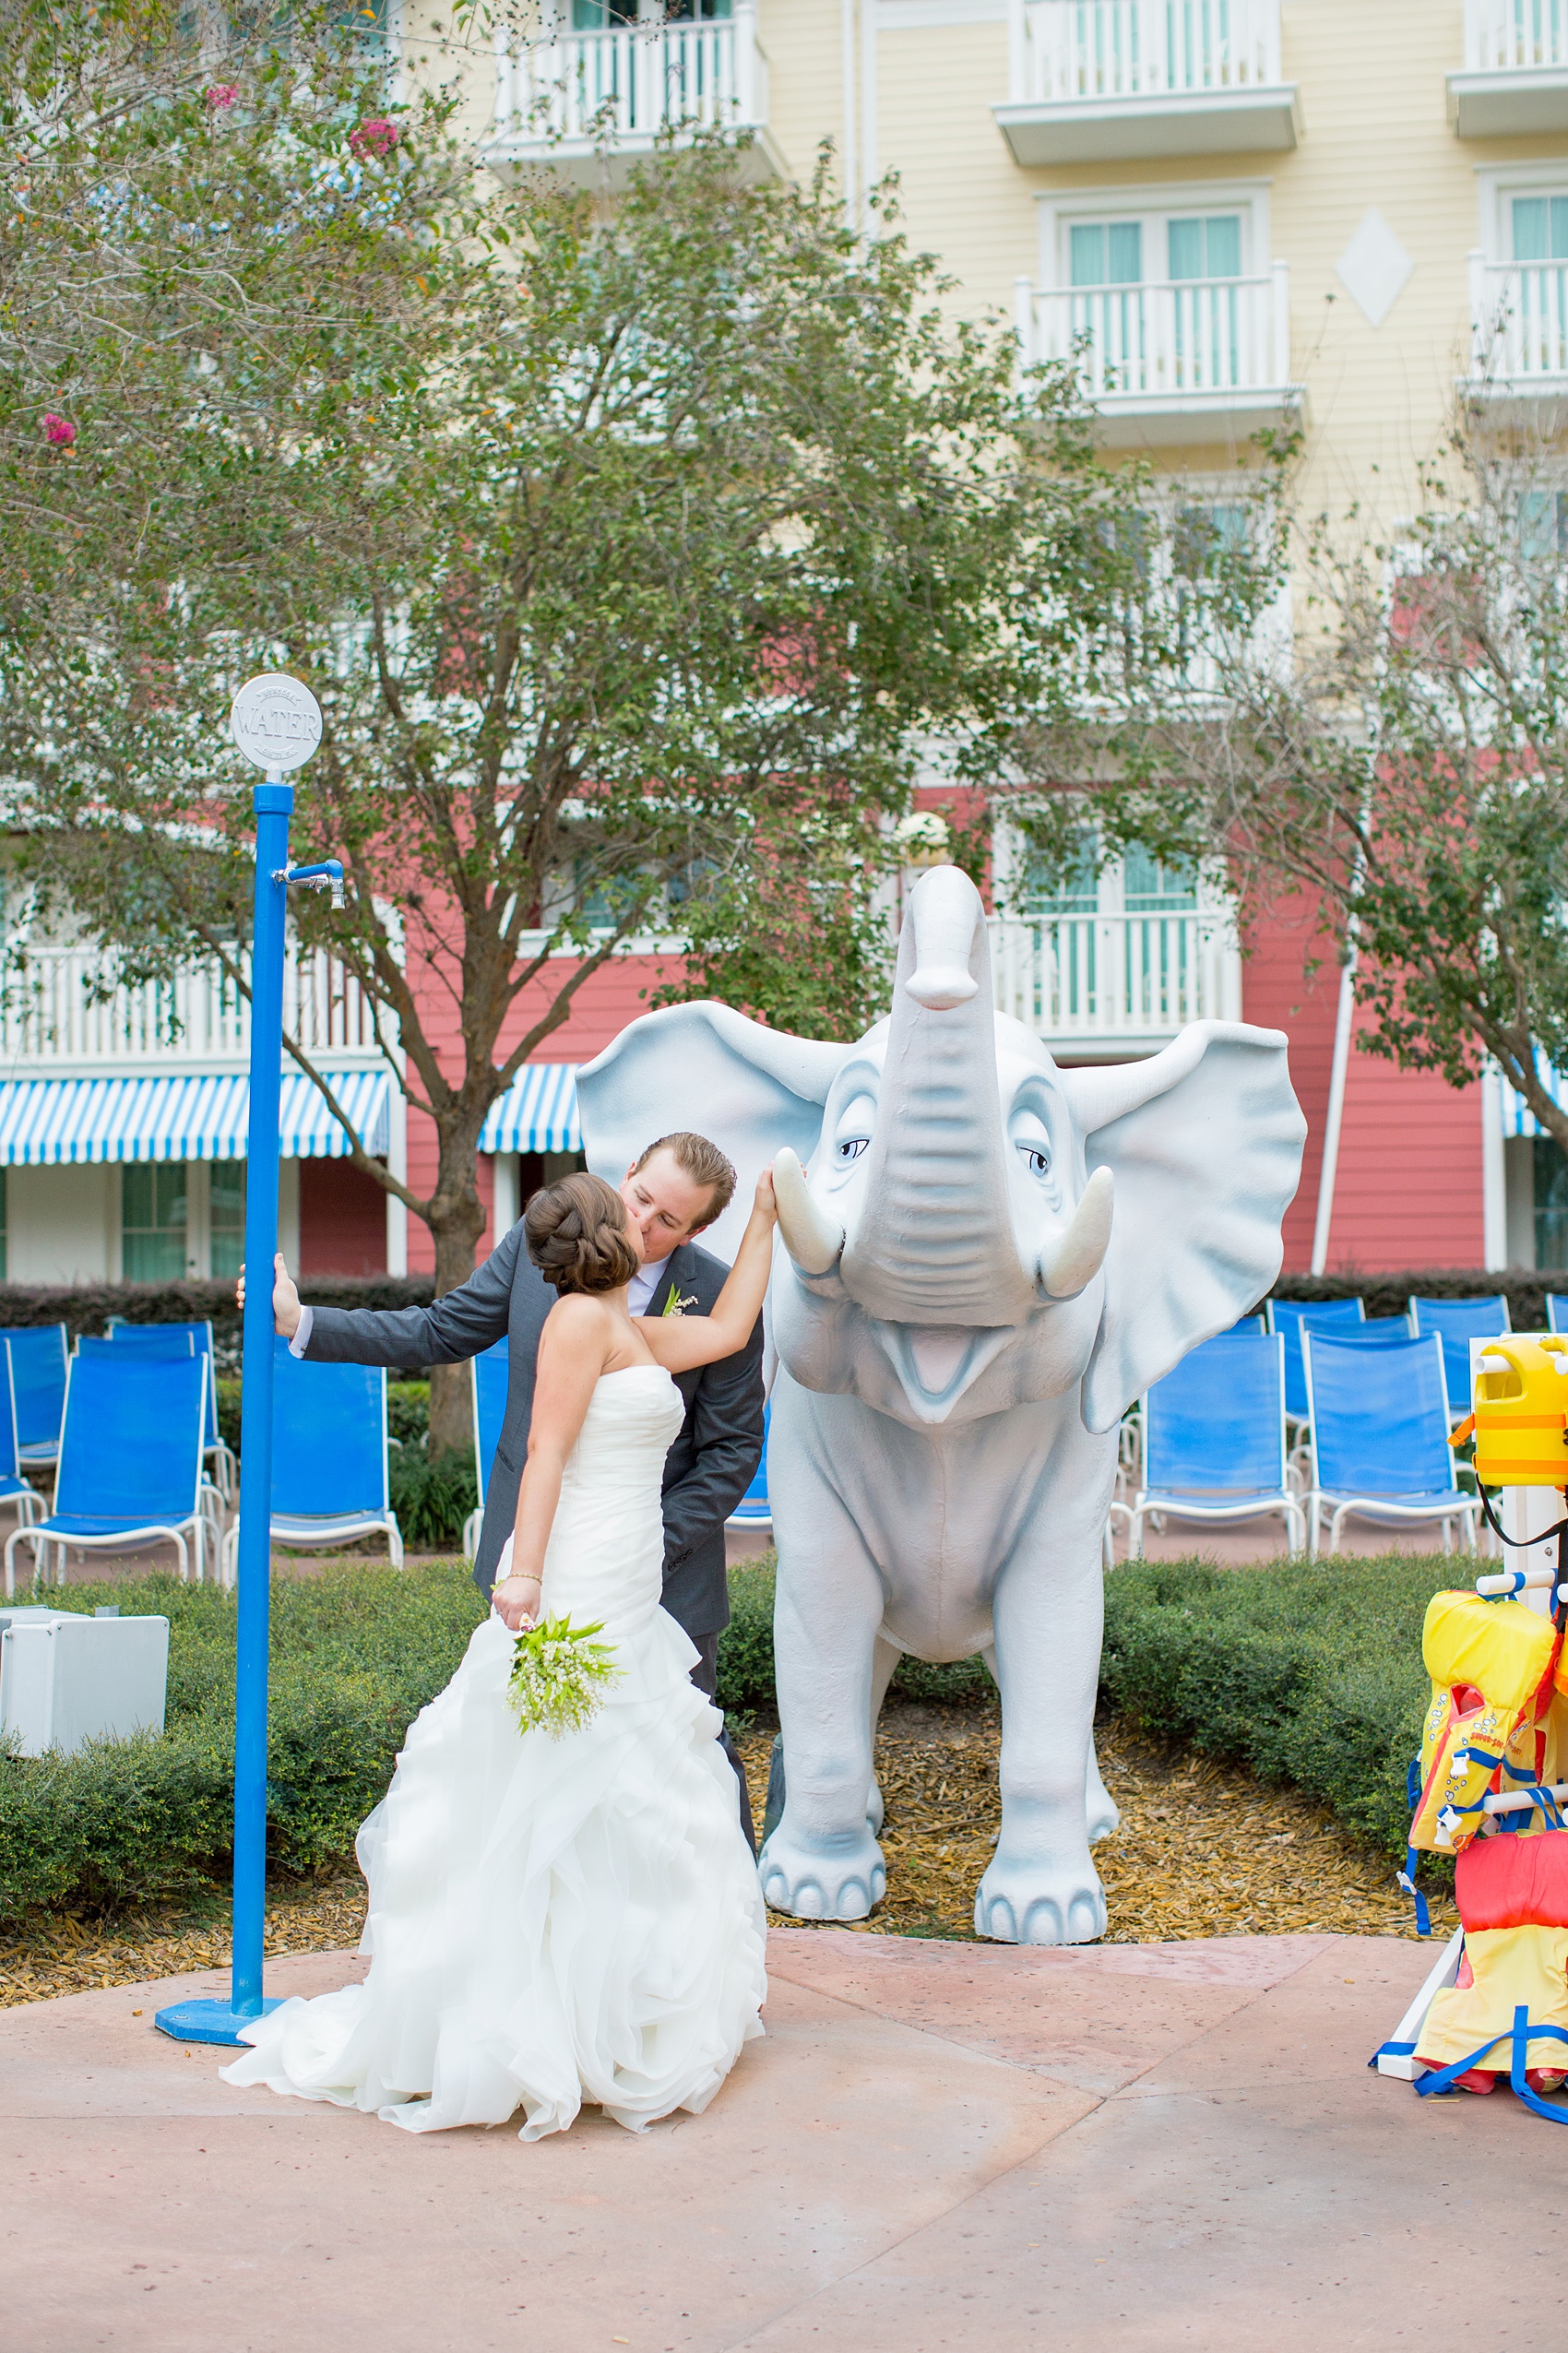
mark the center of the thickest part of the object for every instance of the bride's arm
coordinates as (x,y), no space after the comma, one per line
(572,1350)
(678,1342)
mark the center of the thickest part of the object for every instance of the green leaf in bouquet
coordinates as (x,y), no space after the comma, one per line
(559,1676)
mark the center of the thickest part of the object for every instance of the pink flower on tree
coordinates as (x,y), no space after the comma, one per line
(59,432)
(221,96)
(375,136)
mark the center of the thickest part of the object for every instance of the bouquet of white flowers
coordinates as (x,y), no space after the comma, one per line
(558,1676)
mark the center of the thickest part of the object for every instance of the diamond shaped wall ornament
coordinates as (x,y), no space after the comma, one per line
(1375,268)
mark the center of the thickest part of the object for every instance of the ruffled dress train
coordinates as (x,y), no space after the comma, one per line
(552,1921)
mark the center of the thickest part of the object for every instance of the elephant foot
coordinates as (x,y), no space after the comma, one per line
(1022,1901)
(831,1879)
(1101,1813)
(876,1812)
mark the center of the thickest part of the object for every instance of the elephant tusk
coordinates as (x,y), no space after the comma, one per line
(1081,1253)
(812,1239)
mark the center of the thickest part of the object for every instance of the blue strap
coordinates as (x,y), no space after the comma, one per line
(1413,1783)
(1392,2050)
(1519,2038)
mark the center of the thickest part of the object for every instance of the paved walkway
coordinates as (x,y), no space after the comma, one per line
(938,2146)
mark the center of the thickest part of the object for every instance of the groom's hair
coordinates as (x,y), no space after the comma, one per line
(576,1235)
(703,1162)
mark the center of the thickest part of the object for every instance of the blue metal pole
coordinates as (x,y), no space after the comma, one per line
(215,2021)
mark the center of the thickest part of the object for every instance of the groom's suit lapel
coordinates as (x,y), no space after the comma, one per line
(680,1282)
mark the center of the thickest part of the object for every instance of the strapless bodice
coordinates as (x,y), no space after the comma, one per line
(605,1558)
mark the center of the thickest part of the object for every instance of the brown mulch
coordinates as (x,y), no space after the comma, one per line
(1203,1850)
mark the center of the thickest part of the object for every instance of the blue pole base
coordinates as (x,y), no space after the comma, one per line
(209,2021)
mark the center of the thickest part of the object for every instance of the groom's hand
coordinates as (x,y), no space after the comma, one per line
(285,1299)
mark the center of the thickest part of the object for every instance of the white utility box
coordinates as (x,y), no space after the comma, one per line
(67,1679)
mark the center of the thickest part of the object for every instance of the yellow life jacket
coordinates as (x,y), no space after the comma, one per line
(1493,1665)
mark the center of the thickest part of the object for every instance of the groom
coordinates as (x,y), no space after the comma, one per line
(680,1185)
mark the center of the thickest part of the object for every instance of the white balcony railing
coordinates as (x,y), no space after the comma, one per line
(626,86)
(1515,36)
(1202,345)
(51,1019)
(1115,978)
(1519,326)
(1135,48)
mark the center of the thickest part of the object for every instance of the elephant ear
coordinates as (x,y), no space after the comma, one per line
(704,1067)
(1204,1142)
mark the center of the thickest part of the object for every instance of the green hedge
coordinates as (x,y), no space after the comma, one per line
(356,1653)
(1305,1672)
(1389,1294)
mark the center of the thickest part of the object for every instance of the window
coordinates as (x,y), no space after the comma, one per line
(154,1211)
(1551,1203)
(1112,253)
(1540,228)
(227,1218)
(1150,888)
(1543,524)
(1046,891)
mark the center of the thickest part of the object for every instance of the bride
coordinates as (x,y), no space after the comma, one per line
(559,1919)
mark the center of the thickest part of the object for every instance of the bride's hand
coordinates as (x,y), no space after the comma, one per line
(517,1602)
(764,1202)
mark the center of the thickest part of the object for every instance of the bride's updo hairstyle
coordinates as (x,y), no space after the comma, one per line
(576,1235)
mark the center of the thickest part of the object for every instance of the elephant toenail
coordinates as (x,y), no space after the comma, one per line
(1043,1922)
(1086,1919)
(852,1901)
(807,1901)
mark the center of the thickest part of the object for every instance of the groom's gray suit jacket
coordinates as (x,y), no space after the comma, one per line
(708,1467)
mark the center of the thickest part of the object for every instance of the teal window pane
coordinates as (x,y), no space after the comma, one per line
(1106,253)
(1210,247)
(1150,888)
(1205,534)
(153,1209)
(1540,228)
(602,16)
(227,1218)
(1050,891)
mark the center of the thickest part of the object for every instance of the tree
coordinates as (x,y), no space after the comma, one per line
(1402,771)
(638,562)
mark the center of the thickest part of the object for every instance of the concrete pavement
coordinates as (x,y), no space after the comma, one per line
(936,2146)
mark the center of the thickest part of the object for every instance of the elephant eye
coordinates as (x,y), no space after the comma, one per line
(1036,1159)
(849,1147)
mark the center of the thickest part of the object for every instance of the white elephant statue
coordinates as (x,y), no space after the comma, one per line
(988,1259)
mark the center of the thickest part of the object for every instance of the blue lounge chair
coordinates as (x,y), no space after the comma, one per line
(1214,1440)
(492,1371)
(130,1463)
(1557,1312)
(14,1487)
(154,1339)
(328,1458)
(754,1510)
(1285,1316)
(1247,1327)
(1380,1437)
(39,1355)
(1457,1322)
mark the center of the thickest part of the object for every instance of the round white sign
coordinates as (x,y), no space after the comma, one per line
(275,721)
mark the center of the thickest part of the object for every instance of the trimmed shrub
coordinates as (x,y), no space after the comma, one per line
(1306,1672)
(433,1495)
(87,1307)
(745,1654)
(356,1653)
(1390,1294)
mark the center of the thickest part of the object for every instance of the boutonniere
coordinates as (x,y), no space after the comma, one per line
(675,1304)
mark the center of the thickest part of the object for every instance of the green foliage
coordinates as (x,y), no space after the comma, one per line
(433,1495)
(1305,1672)
(407,1411)
(356,1652)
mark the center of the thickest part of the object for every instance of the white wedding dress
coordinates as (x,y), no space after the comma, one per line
(552,1921)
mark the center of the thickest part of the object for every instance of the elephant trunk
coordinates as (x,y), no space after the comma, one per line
(934,1242)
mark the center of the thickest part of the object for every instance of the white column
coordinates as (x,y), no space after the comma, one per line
(289,1213)
(398,1164)
(1528,1511)
(1494,1181)
(1015,88)
(1279,271)
(1338,1077)
(507,1208)
(868,101)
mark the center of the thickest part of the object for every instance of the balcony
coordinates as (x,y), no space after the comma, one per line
(1171,363)
(588,104)
(1101,986)
(1095,81)
(1518,338)
(52,1023)
(1515,77)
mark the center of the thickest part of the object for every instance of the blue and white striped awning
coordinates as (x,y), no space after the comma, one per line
(1518,1117)
(536,1114)
(171,1116)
